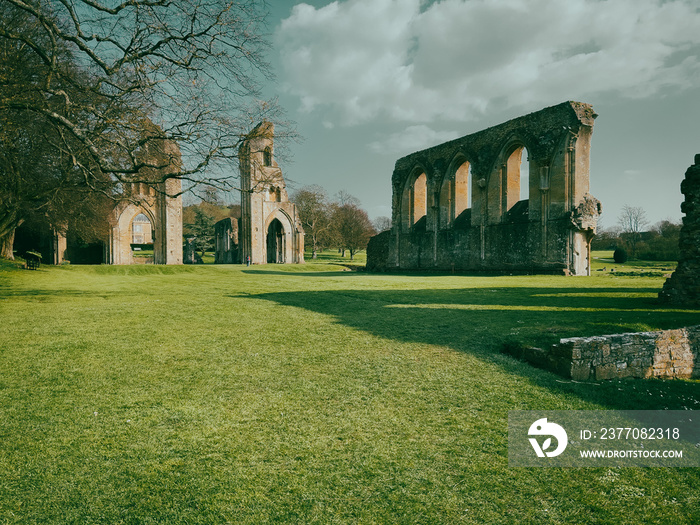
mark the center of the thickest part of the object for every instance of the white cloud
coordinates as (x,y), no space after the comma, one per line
(350,55)
(412,138)
(362,60)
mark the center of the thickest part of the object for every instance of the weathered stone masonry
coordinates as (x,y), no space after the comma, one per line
(663,354)
(270,228)
(159,201)
(434,226)
(683,287)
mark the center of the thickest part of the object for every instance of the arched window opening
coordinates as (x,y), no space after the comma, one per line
(275,242)
(141,239)
(414,202)
(267,156)
(455,194)
(518,177)
(462,191)
(419,200)
(141,230)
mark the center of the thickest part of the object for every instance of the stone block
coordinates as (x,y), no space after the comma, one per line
(608,371)
(580,371)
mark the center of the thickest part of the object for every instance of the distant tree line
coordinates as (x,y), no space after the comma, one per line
(340,223)
(199,220)
(633,235)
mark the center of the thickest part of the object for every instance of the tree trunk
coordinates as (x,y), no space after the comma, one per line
(6,243)
(10,220)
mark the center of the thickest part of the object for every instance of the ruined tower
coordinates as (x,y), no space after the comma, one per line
(683,287)
(270,229)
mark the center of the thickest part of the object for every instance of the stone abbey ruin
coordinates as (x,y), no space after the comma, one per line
(458,205)
(150,214)
(269,230)
(162,209)
(683,287)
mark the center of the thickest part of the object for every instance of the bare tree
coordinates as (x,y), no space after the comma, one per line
(632,222)
(382,223)
(352,228)
(314,211)
(343,197)
(110,82)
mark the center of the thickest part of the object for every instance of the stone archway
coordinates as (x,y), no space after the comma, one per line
(276,243)
(270,228)
(519,208)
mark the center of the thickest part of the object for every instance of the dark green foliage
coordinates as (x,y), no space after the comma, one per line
(620,255)
(661,243)
(202,229)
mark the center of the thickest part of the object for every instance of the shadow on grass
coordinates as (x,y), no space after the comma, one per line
(301,273)
(480,320)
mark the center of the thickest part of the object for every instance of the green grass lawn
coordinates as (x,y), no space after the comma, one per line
(310,394)
(328,257)
(603,262)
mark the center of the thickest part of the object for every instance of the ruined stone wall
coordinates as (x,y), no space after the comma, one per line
(663,354)
(227,246)
(550,231)
(683,287)
(156,195)
(270,228)
(189,251)
(378,251)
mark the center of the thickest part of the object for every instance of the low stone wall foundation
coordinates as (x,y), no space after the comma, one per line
(664,354)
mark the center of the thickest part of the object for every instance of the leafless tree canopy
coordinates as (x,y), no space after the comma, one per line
(119,79)
(632,221)
(96,94)
(315,213)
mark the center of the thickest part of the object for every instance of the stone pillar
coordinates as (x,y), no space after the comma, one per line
(189,251)
(683,287)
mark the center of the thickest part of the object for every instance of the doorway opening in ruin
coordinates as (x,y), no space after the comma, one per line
(455,193)
(517,177)
(415,200)
(142,239)
(275,242)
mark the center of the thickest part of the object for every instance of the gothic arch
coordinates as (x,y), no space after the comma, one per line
(414,202)
(286,233)
(455,190)
(282,216)
(506,183)
(122,233)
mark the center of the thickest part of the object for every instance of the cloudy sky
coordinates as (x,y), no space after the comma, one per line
(369,81)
